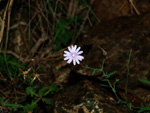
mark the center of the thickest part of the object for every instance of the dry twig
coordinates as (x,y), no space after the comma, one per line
(3,24)
(72,8)
(136,10)
(8,21)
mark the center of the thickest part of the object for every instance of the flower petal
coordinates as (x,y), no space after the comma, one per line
(70,49)
(74,62)
(77,61)
(66,52)
(69,61)
(79,57)
(78,49)
(66,58)
(65,55)
(80,52)
(74,48)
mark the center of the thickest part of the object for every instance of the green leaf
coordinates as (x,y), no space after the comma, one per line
(15,106)
(47,101)
(114,90)
(62,33)
(145,109)
(31,90)
(117,80)
(144,81)
(104,80)
(30,107)
(105,76)
(9,65)
(5,102)
(1,99)
(42,91)
(129,105)
(110,74)
(104,85)
(96,70)
(93,72)
(52,89)
(2,64)
(121,102)
(14,63)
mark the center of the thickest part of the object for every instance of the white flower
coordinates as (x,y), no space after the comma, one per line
(73,55)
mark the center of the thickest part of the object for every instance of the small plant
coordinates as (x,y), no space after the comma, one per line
(62,34)
(6,104)
(106,77)
(33,92)
(9,65)
(144,109)
(12,64)
(70,56)
(40,95)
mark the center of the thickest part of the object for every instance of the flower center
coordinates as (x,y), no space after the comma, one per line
(73,55)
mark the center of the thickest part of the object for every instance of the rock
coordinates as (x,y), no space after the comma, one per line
(86,96)
(117,38)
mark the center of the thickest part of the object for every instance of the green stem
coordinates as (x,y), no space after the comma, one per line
(114,91)
(128,71)
(38,100)
(9,73)
(36,95)
(2,92)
